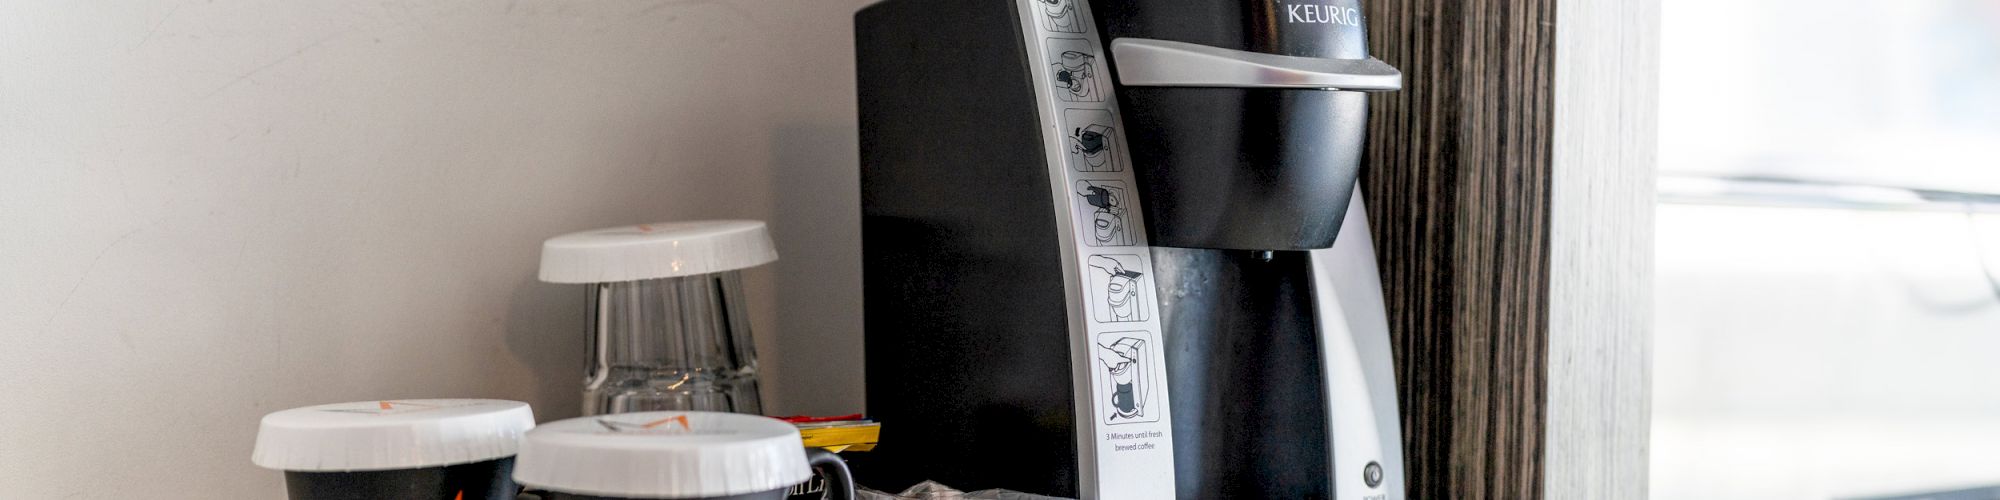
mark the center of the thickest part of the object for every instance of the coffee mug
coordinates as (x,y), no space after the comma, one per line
(673,455)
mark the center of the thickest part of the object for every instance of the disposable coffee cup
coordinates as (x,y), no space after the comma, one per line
(673,455)
(414,449)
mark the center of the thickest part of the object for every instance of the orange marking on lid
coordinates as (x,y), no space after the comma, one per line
(645,228)
(386,405)
(683,419)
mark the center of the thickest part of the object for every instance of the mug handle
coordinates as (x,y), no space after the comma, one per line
(839,482)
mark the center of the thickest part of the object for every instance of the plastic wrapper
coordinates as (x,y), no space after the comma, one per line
(931,490)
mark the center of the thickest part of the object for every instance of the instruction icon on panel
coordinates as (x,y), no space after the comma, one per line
(1092,144)
(1126,377)
(1102,210)
(1075,72)
(1060,16)
(1118,288)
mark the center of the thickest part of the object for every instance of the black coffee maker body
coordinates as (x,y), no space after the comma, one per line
(1113,249)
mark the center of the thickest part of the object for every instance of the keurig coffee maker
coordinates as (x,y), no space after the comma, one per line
(1113,249)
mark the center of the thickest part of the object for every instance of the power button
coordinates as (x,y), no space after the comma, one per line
(1372,474)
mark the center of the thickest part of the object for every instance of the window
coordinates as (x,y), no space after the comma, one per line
(1828,244)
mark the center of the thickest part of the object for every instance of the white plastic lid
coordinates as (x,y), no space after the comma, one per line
(649,251)
(663,455)
(386,435)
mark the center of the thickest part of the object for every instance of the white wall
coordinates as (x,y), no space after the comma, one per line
(210,210)
(1811,353)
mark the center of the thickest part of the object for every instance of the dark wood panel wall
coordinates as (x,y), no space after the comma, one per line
(1457,183)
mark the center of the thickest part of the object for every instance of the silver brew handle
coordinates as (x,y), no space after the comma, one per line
(1144,62)
(1364,427)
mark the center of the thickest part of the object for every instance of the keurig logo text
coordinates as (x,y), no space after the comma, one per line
(1310,13)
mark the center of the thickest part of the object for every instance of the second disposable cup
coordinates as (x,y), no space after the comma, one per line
(420,449)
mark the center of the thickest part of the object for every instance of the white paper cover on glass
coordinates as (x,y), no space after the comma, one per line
(663,455)
(386,435)
(650,251)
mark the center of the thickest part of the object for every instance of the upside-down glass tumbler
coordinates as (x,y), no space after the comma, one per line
(668,326)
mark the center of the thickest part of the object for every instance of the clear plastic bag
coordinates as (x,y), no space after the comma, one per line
(931,490)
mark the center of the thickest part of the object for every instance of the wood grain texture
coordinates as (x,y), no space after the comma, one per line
(1600,331)
(1457,181)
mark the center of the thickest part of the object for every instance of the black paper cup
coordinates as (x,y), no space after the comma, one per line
(452,449)
(488,480)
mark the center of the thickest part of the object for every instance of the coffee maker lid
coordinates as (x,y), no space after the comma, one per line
(387,435)
(662,250)
(663,455)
